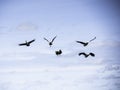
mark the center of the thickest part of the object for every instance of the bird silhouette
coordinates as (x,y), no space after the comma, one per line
(50,42)
(86,55)
(27,43)
(85,43)
(58,52)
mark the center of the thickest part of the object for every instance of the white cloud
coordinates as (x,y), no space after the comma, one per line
(106,43)
(16,57)
(27,26)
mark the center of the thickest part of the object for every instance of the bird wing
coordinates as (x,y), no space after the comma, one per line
(80,42)
(92,39)
(31,41)
(82,53)
(92,54)
(22,44)
(53,39)
(46,39)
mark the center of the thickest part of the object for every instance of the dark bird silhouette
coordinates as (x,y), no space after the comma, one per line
(58,52)
(86,55)
(50,42)
(27,43)
(86,43)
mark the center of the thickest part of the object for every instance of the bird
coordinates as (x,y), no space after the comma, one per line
(86,55)
(58,52)
(27,43)
(50,42)
(85,43)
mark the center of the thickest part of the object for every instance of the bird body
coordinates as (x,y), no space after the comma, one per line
(27,43)
(85,43)
(58,52)
(50,42)
(86,55)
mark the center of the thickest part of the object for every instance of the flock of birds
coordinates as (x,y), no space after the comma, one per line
(59,52)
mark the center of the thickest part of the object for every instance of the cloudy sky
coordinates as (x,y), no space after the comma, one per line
(70,20)
(37,67)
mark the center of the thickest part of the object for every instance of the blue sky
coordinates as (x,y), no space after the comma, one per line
(37,66)
(70,16)
(70,20)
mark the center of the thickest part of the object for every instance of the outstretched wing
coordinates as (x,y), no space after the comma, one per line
(82,53)
(31,41)
(92,54)
(22,44)
(92,39)
(80,42)
(46,39)
(53,39)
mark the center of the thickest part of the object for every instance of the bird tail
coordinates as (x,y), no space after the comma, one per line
(92,39)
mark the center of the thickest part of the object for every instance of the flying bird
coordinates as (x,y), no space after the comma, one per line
(85,43)
(27,43)
(50,42)
(86,55)
(58,52)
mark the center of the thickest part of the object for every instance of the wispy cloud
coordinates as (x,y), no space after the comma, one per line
(13,57)
(27,26)
(106,43)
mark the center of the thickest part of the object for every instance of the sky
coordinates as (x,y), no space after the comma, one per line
(70,20)
(37,66)
(88,17)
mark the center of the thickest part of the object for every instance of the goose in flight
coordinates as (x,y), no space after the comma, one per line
(85,43)
(27,43)
(86,55)
(50,42)
(58,52)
